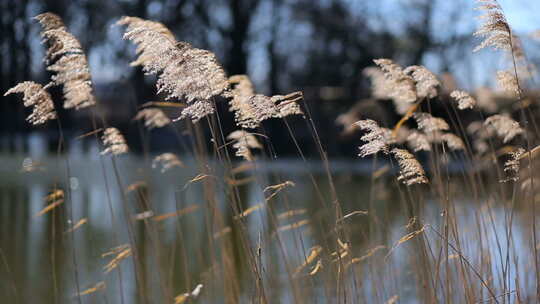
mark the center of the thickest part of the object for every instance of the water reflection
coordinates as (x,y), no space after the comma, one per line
(199,240)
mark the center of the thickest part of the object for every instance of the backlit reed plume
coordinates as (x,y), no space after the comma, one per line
(494,28)
(512,165)
(251,109)
(153,118)
(243,143)
(464,100)
(65,57)
(427,123)
(508,82)
(114,142)
(504,126)
(410,169)
(376,138)
(418,141)
(453,141)
(401,87)
(427,84)
(166,161)
(34,95)
(184,72)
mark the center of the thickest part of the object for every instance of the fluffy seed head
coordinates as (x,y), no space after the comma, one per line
(37,97)
(376,138)
(410,169)
(153,118)
(504,126)
(114,142)
(243,143)
(427,84)
(167,161)
(184,72)
(494,28)
(464,100)
(428,123)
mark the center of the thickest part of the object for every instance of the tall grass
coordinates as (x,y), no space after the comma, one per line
(457,241)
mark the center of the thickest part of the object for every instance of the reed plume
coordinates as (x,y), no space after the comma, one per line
(427,123)
(250,109)
(114,142)
(66,59)
(184,72)
(243,143)
(34,95)
(494,29)
(400,86)
(512,165)
(504,127)
(508,82)
(410,169)
(167,161)
(464,100)
(153,118)
(377,138)
(427,84)
(418,141)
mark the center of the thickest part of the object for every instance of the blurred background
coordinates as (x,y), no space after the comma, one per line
(318,46)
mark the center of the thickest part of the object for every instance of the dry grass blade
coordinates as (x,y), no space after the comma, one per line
(393,300)
(96,131)
(293,225)
(135,186)
(50,207)
(291,213)
(249,210)
(316,269)
(240,182)
(197,178)
(55,199)
(314,252)
(404,239)
(351,214)
(143,215)
(246,166)
(275,189)
(222,233)
(121,254)
(99,286)
(183,211)
(77,225)
(182,298)
(368,254)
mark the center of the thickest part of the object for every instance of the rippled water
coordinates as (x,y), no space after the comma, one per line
(41,262)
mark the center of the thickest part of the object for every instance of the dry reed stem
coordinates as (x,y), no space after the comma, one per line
(99,286)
